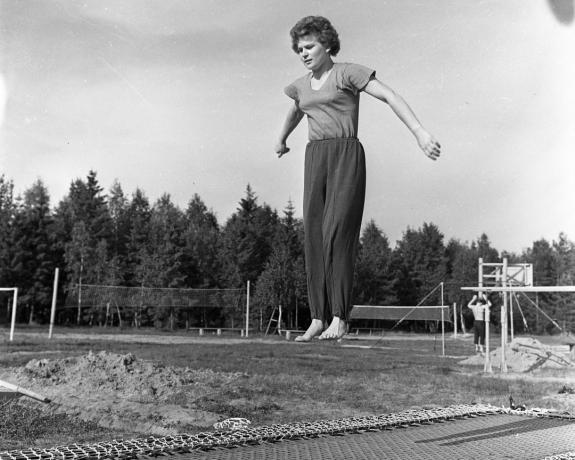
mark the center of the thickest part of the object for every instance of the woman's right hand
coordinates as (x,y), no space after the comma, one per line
(428,144)
(281,149)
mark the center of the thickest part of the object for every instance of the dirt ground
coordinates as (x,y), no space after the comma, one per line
(121,391)
(527,354)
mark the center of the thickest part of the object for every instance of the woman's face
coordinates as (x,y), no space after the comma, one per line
(312,53)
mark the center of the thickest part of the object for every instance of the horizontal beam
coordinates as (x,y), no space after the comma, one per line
(500,264)
(399,306)
(520,288)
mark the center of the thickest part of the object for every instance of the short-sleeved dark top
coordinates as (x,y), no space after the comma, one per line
(333,110)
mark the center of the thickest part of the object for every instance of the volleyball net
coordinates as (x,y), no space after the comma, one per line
(144,306)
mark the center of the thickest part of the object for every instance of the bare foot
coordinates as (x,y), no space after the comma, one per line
(336,330)
(313,330)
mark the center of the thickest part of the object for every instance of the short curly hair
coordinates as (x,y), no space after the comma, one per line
(318,26)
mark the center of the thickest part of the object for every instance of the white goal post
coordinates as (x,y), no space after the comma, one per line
(14,303)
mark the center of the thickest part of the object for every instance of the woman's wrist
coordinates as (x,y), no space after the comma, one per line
(417,129)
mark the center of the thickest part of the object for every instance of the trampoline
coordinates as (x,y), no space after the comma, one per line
(455,432)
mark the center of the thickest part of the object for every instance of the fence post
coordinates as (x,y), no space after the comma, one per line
(13,320)
(442,332)
(455,320)
(504,319)
(54,297)
(248,309)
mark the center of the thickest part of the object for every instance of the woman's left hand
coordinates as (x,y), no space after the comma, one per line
(428,144)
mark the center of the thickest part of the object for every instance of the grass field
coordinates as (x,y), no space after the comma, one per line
(279,381)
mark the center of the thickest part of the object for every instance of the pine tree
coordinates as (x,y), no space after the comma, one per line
(543,258)
(565,260)
(283,280)
(32,254)
(6,221)
(138,218)
(161,256)
(120,229)
(201,244)
(85,203)
(374,278)
(485,251)
(247,240)
(78,252)
(420,263)
(565,265)
(462,270)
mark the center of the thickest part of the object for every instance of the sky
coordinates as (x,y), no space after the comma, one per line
(186,97)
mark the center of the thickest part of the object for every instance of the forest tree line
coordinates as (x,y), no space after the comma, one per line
(111,239)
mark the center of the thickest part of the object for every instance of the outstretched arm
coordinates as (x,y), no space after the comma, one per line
(293,118)
(384,93)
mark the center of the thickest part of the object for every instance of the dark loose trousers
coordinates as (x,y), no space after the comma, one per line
(479,332)
(334,194)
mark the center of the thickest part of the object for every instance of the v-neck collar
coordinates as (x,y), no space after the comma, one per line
(330,71)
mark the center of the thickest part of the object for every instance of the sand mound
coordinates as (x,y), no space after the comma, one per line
(524,355)
(120,391)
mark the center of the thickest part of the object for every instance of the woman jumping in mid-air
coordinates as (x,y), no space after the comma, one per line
(334,175)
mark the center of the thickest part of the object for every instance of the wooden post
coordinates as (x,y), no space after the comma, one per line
(504,318)
(511,327)
(24,391)
(13,320)
(79,315)
(54,297)
(248,309)
(280,320)
(296,315)
(454,320)
(442,332)
(480,273)
(487,364)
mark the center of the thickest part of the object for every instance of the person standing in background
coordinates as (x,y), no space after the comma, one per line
(478,306)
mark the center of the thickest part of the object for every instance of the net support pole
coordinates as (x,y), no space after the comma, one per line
(13,320)
(504,319)
(442,322)
(248,309)
(54,297)
(442,332)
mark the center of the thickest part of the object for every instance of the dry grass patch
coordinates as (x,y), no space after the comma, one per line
(268,383)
